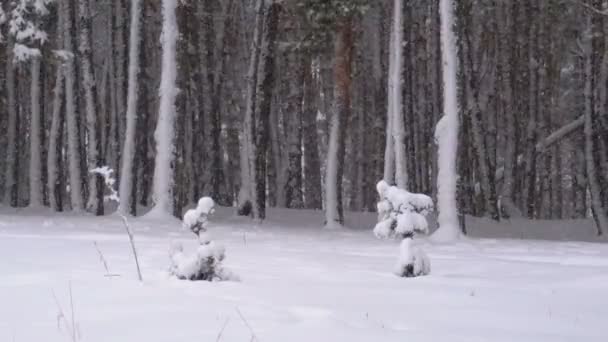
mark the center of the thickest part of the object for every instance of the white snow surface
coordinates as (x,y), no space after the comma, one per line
(299,282)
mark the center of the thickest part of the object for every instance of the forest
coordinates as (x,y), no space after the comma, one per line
(306,104)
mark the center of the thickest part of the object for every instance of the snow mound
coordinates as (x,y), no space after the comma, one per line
(204,264)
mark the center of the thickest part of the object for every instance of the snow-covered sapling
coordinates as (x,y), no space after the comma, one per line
(206,263)
(402,214)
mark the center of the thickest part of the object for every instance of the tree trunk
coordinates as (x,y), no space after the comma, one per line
(310,142)
(76,195)
(35,169)
(247,195)
(334,214)
(54,148)
(10,183)
(262,107)
(94,152)
(165,127)
(447,130)
(128,153)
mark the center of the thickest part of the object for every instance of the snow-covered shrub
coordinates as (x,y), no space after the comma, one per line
(402,214)
(206,262)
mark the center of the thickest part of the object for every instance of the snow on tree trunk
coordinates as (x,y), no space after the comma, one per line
(70,107)
(94,158)
(165,130)
(334,215)
(128,152)
(395,108)
(446,132)
(53,155)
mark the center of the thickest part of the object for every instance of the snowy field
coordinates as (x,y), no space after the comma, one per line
(298,283)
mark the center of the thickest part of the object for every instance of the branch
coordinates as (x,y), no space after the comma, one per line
(545,143)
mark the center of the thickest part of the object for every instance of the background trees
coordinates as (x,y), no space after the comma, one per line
(531,87)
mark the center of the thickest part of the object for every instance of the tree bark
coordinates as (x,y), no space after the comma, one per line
(343,51)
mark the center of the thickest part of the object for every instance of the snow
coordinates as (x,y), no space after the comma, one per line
(412,261)
(299,282)
(446,132)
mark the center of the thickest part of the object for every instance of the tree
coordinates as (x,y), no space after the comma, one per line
(26,27)
(128,153)
(446,132)
(94,152)
(165,130)
(72,126)
(396,128)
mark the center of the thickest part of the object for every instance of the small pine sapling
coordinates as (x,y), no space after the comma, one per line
(206,263)
(402,214)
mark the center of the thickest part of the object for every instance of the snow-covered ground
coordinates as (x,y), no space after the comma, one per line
(298,283)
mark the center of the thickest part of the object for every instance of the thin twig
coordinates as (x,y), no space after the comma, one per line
(104,262)
(126,223)
(72,309)
(61,316)
(253,336)
(219,336)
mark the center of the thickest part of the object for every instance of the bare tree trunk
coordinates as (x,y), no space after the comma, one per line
(293,124)
(334,213)
(247,195)
(35,169)
(262,108)
(54,148)
(10,193)
(310,142)
(73,149)
(599,212)
(128,154)
(94,153)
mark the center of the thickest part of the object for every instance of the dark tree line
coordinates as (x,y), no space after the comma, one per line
(284,104)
